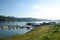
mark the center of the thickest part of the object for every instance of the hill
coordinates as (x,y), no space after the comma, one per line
(9,18)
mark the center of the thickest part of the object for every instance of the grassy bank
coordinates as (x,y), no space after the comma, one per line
(47,32)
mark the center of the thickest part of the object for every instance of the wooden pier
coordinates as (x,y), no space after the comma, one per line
(12,27)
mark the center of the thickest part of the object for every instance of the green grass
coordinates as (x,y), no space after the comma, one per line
(47,32)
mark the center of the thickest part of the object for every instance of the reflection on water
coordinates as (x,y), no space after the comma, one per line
(15,30)
(10,32)
(4,32)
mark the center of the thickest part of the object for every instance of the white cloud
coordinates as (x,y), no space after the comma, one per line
(51,13)
(36,6)
(47,13)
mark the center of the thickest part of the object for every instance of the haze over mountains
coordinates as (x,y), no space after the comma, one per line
(10,18)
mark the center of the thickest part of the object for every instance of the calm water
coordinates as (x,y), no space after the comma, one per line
(13,23)
(10,32)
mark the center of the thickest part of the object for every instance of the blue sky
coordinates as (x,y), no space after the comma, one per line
(47,9)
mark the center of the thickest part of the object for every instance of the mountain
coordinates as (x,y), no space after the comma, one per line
(57,21)
(10,18)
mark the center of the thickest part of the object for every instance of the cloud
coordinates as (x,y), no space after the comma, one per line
(46,13)
(36,6)
(51,13)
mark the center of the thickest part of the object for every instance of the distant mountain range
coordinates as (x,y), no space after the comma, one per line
(9,18)
(57,20)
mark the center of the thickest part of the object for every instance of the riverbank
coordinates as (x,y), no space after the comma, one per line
(39,33)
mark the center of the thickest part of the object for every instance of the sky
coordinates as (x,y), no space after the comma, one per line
(43,9)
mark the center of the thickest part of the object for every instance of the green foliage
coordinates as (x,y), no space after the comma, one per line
(54,30)
(9,18)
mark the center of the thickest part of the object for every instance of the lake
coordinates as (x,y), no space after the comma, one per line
(10,32)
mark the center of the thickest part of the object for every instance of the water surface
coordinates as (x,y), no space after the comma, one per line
(10,32)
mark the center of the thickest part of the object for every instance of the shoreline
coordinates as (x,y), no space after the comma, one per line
(38,33)
(33,30)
